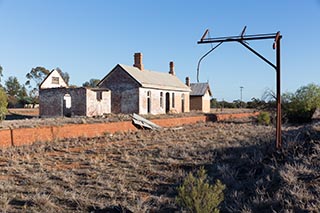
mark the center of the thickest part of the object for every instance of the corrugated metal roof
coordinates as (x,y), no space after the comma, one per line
(152,79)
(199,89)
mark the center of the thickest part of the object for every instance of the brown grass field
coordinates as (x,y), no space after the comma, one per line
(140,171)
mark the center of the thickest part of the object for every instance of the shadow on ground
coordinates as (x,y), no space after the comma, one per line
(13,116)
(255,175)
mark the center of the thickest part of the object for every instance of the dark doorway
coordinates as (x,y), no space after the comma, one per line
(149,102)
(182,103)
(167,102)
(67,105)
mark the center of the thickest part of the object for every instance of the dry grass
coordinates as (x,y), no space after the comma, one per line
(139,171)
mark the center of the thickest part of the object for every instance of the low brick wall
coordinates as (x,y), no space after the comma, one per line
(222,117)
(5,138)
(27,136)
(170,122)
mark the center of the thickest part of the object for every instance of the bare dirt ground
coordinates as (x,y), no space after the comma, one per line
(140,171)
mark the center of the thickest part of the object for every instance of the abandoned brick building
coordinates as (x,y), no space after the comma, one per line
(125,89)
(137,90)
(56,99)
(200,96)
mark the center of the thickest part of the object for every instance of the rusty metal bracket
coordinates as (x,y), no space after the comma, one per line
(242,39)
(207,53)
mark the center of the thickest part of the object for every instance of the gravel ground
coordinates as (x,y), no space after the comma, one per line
(140,171)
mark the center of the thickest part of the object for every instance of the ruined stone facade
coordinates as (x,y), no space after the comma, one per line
(55,102)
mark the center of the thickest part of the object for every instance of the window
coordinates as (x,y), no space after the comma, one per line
(99,95)
(55,80)
(161,99)
(172,100)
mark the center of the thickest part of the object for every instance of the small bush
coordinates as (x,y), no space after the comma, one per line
(264,118)
(198,196)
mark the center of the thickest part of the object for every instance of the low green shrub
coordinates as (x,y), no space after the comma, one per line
(264,118)
(198,196)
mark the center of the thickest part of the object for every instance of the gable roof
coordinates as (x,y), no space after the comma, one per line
(199,89)
(54,73)
(152,79)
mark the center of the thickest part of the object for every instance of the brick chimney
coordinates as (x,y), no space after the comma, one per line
(138,61)
(188,81)
(171,68)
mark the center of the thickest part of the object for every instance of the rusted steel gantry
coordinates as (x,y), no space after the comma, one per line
(242,38)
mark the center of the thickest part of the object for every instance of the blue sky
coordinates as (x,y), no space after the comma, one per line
(88,38)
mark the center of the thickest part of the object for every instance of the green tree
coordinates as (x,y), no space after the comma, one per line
(300,106)
(23,97)
(34,96)
(37,75)
(12,87)
(3,104)
(256,103)
(91,83)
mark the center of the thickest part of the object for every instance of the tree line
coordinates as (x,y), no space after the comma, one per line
(297,107)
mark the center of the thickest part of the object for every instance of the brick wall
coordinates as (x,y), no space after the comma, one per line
(124,91)
(5,138)
(221,117)
(27,136)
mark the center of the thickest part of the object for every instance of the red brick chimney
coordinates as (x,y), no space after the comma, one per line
(188,81)
(138,61)
(171,68)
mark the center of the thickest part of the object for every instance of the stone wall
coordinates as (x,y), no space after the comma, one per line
(52,102)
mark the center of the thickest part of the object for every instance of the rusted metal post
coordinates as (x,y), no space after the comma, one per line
(279,116)
(242,40)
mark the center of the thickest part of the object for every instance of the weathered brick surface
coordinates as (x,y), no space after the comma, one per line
(221,117)
(27,136)
(5,138)
(179,121)
(90,130)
